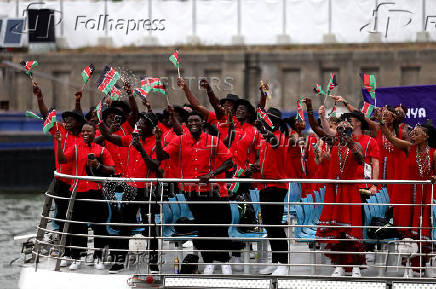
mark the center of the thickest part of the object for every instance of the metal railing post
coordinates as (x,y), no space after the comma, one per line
(68,217)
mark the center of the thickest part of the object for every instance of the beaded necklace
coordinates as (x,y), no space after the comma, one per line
(342,164)
(389,147)
(423,161)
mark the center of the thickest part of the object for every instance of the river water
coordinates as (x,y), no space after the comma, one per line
(19,214)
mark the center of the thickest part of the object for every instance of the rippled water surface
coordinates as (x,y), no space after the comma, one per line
(19,214)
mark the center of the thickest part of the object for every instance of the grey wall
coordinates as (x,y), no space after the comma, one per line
(292,72)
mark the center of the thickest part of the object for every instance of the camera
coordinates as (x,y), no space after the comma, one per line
(91,156)
(117,118)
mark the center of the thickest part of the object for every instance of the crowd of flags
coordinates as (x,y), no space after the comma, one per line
(107,84)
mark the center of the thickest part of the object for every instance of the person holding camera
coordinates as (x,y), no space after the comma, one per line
(141,163)
(346,160)
(86,158)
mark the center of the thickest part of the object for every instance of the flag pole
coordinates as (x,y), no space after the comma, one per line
(178,70)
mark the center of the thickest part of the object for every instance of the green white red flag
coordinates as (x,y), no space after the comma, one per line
(333,112)
(332,83)
(87,72)
(300,113)
(115,92)
(318,90)
(262,115)
(153,84)
(235,186)
(99,109)
(50,121)
(369,83)
(32,115)
(29,65)
(141,93)
(174,58)
(107,80)
(367,109)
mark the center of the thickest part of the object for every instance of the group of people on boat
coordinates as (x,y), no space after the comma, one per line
(238,140)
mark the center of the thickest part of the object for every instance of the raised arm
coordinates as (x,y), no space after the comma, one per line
(78,97)
(325,123)
(133,116)
(263,94)
(312,121)
(399,143)
(192,99)
(42,107)
(62,159)
(160,153)
(213,100)
(107,135)
(177,127)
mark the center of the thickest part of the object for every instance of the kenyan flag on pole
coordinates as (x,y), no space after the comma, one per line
(369,83)
(333,112)
(107,80)
(32,115)
(153,84)
(300,114)
(235,186)
(332,83)
(115,92)
(87,72)
(318,90)
(141,93)
(29,65)
(99,109)
(174,58)
(49,121)
(262,115)
(367,109)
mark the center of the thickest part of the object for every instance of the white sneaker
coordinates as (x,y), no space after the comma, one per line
(89,260)
(339,272)
(356,272)
(64,262)
(75,265)
(208,269)
(226,269)
(280,271)
(188,244)
(98,264)
(268,270)
(237,267)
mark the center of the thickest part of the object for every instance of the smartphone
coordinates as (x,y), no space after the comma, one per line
(91,156)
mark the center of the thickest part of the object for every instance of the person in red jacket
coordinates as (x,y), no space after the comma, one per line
(203,156)
(87,158)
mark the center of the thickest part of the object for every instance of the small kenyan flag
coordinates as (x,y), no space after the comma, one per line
(87,72)
(28,65)
(300,113)
(367,109)
(318,90)
(141,93)
(49,121)
(32,115)
(99,109)
(369,83)
(332,83)
(262,115)
(115,92)
(333,112)
(174,58)
(153,84)
(107,80)
(235,186)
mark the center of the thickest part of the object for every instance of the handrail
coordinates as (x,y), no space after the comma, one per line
(241,180)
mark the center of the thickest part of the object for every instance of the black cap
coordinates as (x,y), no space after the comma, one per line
(230,97)
(115,111)
(357,115)
(78,115)
(124,106)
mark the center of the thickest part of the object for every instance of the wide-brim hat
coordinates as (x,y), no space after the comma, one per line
(115,111)
(78,115)
(150,117)
(357,115)
(124,106)
(230,97)
(274,112)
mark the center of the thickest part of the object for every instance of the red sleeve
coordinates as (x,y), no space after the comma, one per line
(173,147)
(127,127)
(211,118)
(126,140)
(222,153)
(69,153)
(107,158)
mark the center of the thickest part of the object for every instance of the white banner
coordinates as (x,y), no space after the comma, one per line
(215,22)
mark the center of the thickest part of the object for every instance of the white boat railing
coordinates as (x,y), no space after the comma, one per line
(292,225)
